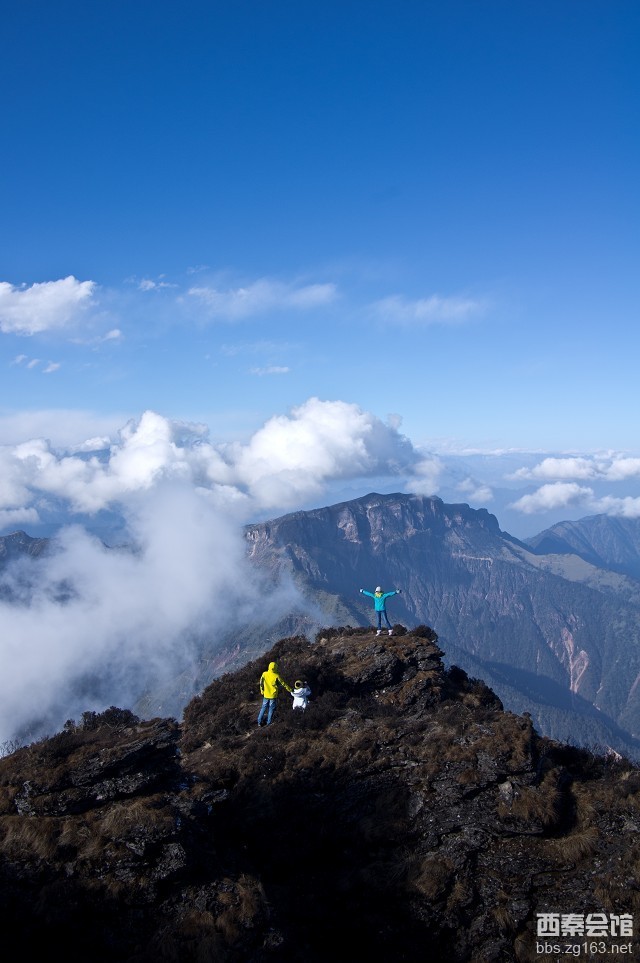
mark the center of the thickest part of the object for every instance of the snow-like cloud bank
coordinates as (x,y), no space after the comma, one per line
(45,306)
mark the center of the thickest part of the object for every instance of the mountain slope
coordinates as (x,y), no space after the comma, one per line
(604,541)
(405,812)
(572,628)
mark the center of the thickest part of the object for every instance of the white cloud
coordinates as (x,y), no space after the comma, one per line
(115,334)
(622,468)
(147,284)
(271,369)
(17,517)
(293,457)
(290,458)
(255,347)
(552,496)
(51,366)
(144,454)
(261,296)
(559,468)
(98,443)
(425,475)
(46,306)
(475,492)
(624,507)
(431,310)
(610,467)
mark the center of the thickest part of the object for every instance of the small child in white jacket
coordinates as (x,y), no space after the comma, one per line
(301,693)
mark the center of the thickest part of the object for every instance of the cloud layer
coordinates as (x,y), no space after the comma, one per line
(286,461)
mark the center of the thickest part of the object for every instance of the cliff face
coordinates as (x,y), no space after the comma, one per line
(554,635)
(405,812)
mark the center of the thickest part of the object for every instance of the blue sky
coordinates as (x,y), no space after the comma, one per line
(336,247)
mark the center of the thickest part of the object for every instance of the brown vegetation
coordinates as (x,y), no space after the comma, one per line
(404,808)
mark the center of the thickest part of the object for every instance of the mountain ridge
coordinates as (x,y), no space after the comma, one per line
(608,542)
(404,809)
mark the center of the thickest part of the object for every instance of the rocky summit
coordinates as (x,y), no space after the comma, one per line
(404,815)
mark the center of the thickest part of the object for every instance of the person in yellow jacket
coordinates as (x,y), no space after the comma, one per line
(269,682)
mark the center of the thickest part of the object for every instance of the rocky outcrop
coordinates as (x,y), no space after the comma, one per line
(405,811)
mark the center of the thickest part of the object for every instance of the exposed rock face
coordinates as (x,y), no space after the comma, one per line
(18,544)
(404,813)
(553,635)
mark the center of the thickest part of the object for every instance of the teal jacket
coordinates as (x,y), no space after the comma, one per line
(380,598)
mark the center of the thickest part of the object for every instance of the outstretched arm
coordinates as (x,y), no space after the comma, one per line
(370,594)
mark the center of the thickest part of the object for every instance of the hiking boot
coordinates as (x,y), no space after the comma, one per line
(379,632)
(390,631)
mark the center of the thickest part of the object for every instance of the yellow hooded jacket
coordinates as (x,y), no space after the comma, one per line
(270,680)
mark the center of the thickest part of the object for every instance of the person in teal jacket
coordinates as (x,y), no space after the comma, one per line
(380,602)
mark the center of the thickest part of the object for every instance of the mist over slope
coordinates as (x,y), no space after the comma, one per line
(85,626)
